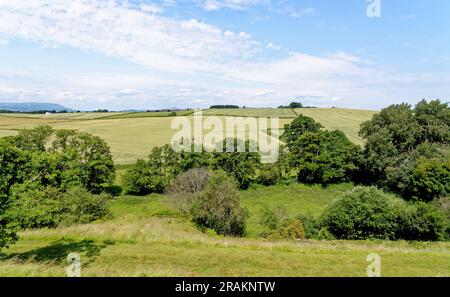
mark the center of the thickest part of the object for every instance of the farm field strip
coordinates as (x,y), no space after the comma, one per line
(131,136)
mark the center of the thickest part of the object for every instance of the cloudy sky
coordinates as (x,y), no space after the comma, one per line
(88,54)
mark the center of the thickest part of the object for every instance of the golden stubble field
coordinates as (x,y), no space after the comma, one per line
(133,135)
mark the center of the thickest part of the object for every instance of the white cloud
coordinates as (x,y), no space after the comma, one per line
(151,8)
(273,46)
(295,12)
(187,60)
(211,5)
(117,30)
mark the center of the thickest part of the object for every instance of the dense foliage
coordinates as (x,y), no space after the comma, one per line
(218,207)
(297,128)
(288,229)
(154,174)
(367,213)
(35,206)
(164,164)
(407,150)
(44,183)
(324,157)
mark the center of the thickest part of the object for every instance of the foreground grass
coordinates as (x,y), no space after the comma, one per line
(288,201)
(146,238)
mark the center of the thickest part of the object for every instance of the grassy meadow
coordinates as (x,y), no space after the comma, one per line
(146,238)
(132,135)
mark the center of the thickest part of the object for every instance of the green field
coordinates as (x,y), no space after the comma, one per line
(133,135)
(146,238)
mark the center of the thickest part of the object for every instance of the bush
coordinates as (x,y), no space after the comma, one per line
(363,213)
(429,179)
(34,206)
(368,213)
(186,188)
(218,207)
(443,204)
(422,221)
(80,206)
(311,226)
(269,176)
(271,218)
(288,229)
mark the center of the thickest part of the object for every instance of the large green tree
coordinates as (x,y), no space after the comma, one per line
(86,160)
(324,157)
(297,127)
(12,163)
(397,137)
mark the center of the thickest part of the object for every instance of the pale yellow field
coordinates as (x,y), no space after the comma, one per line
(133,137)
(347,120)
(253,112)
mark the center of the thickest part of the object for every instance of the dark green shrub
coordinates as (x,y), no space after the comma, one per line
(34,206)
(443,204)
(368,213)
(190,160)
(219,208)
(429,179)
(79,206)
(288,229)
(363,213)
(269,176)
(311,226)
(421,174)
(422,221)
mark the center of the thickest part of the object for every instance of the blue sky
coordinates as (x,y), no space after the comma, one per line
(194,53)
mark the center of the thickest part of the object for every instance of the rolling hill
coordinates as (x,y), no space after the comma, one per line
(32,107)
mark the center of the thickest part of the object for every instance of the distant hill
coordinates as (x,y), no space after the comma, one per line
(33,107)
